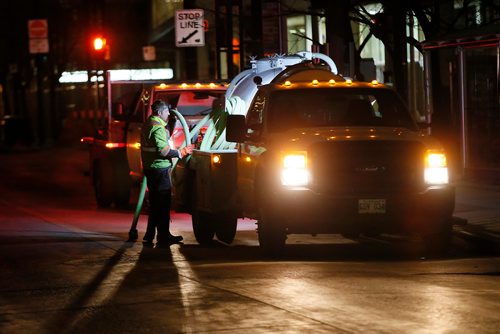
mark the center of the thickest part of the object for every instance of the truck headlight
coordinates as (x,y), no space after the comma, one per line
(294,171)
(436,168)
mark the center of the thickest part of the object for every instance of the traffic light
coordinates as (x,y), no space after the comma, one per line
(100,47)
(99,43)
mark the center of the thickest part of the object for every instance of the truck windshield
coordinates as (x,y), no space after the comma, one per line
(191,103)
(301,108)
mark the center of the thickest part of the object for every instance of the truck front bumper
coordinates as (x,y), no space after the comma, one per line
(303,211)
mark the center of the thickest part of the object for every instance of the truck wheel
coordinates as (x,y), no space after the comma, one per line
(226,227)
(122,198)
(272,237)
(122,188)
(103,184)
(438,242)
(203,227)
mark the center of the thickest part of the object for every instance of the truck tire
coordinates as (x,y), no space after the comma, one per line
(121,197)
(272,237)
(103,183)
(121,186)
(203,227)
(226,224)
(438,242)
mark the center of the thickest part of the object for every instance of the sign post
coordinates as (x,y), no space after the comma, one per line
(189,28)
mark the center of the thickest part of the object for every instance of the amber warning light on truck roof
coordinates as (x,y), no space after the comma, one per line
(197,85)
(332,82)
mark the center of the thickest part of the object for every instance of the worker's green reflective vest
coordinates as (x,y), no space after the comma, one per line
(154,144)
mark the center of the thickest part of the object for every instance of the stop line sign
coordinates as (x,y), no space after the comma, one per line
(189,29)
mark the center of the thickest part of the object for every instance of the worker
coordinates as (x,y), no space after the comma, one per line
(157,154)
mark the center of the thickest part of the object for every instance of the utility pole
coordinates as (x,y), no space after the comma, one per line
(191,62)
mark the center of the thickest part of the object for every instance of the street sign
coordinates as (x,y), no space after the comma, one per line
(39,45)
(189,28)
(38,32)
(38,28)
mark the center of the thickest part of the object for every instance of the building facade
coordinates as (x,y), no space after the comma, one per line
(466,99)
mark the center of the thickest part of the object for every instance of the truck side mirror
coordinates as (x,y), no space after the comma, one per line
(219,104)
(425,127)
(236,128)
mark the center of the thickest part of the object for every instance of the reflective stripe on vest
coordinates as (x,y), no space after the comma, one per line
(149,149)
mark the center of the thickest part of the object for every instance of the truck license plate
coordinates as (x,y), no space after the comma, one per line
(371,205)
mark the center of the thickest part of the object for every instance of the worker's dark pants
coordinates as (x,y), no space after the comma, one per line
(159,188)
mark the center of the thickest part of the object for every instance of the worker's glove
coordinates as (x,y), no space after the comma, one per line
(186,150)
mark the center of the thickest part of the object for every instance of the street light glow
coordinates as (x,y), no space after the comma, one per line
(120,75)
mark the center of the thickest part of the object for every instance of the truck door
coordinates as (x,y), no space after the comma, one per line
(250,154)
(134,134)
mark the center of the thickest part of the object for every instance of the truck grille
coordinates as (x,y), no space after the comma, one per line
(367,167)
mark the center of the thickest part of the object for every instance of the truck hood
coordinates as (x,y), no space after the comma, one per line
(303,138)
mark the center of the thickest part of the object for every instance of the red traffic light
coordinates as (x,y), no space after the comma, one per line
(99,43)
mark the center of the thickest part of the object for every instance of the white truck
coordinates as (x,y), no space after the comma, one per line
(114,152)
(307,152)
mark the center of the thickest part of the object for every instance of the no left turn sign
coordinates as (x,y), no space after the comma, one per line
(189,29)
(38,28)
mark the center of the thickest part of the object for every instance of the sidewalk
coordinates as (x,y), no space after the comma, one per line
(477,207)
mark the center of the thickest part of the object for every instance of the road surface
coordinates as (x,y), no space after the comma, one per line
(66,268)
